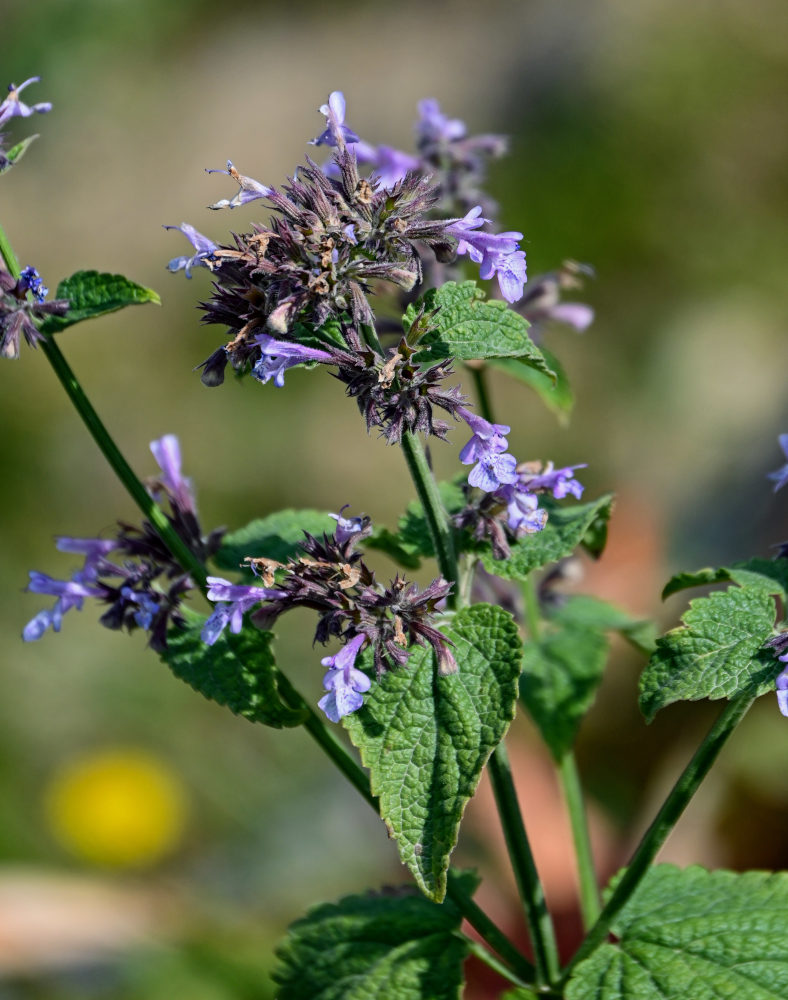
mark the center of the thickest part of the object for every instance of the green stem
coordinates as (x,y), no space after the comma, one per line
(590,903)
(109,449)
(667,817)
(490,960)
(480,385)
(437,519)
(573,795)
(530,888)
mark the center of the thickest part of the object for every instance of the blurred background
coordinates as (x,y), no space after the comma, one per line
(647,139)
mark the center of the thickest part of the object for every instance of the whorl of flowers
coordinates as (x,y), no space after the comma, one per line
(331,577)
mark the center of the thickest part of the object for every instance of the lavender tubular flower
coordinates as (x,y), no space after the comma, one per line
(496,253)
(205,251)
(345,685)
(336,132)
(542,302)
(249,189)
(279,355)
(69,593)
(12,107)
(559,482)
(235,600)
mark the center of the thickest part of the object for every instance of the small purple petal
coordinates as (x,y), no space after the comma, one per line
(576,314)
(494,471)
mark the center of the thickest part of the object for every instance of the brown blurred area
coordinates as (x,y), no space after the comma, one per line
(646,139)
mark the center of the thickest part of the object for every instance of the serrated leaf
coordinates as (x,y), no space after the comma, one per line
(716,653)
(92,294)
(277,536)
(238,671)
(555,393)
(15,153)
(321,337)
(769,574)
(426,738)
(566,528)
(469,326)
(585,611)
(392,945)
(561,673)
(694,934)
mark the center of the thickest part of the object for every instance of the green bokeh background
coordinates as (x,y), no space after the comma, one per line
(647,138)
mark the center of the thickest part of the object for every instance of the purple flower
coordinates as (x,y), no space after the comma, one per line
(336,132)
(94,550)
(345,685)
(12,107)
(487,438)
(493,471)
(167,452)
(279,355)
(391,165)
(782,687)
(559,482)
(348,527)
(250,190)
(69,594)
(780,477)
(435,127)
(205,250)
(30,281)
(236,600)
(575,314)
(496,253)
(524,517)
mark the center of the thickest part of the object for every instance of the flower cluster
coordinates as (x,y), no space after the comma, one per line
(510,491)
(331,577)
(133,573)
(334,237)
(21,304)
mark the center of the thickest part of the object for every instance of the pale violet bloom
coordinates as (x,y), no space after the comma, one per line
(204,250)
(487,438)
(434,126)
(69,593)
(345,685)
(167,452)
(782,688)
(95,551)
(236,599)
(559,482)
(495,253)
(780,477)
(347,527)
(12,107)
(493,471)
(249,189)
(334,113)
(279,355)
(524,516)
(575,314)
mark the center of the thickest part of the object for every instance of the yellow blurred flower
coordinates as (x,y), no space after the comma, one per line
(117,808)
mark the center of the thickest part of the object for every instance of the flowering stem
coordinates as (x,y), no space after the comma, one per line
(667,817)
(573,793)
(530,888)
(109,449)
(437,519)
(480,385)
(590,904)
(490,960)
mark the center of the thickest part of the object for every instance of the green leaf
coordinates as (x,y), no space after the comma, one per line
(391,945)
(694,934)
(92,294)
(468,326)
(238,671)
(519,993)
(555,392)
(716,653)
(560,676)
(769,574)
(566,528)
(15,153)
(426,738)
(277,537)
(319,338)
(585,611)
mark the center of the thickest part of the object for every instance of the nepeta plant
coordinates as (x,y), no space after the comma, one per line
(356,266)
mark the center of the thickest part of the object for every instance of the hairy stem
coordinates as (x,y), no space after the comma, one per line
(437,519)
(540,925)
(667,817)
(590,903)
